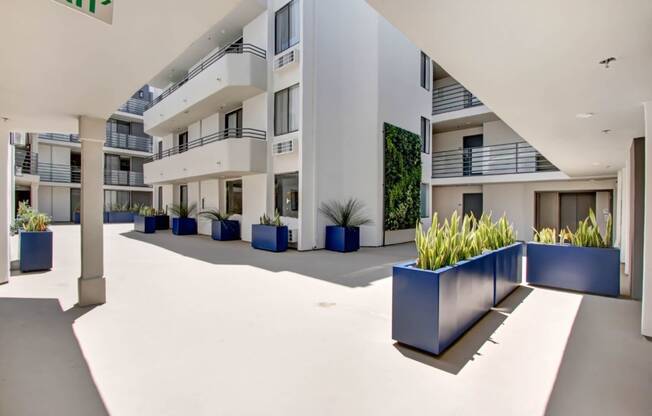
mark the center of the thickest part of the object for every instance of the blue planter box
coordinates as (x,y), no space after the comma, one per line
(76,218)
(119,217)
(584,269)
(432,309)
(508,270)
(226,230)
(145,225)
(162,222)
(35,251)
(269,237)
(184,226)
(342,239)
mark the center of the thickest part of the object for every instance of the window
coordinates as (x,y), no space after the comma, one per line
(116,199)
(286,190)
(423,207)
(160,149)
(425,71)
(287,26)
(234,197)
(183,142)
(160,198)
(233,122)
(286,110)
(122,127)
(425,135)
(183,196)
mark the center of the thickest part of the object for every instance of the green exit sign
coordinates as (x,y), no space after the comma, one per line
(99,9)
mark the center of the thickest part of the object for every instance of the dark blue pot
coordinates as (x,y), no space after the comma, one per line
(225,230)
(342,239)
(432,309)
(35,251)
(269,237)
(184,226)
(120,217)
(76,218)
(508,270)
(162,222)
(583,269)
(145,225)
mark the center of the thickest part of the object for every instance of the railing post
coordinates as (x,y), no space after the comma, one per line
(516,157)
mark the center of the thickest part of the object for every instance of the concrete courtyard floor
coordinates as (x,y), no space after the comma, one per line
(197,327)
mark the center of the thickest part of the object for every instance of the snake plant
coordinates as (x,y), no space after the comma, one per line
(587,234)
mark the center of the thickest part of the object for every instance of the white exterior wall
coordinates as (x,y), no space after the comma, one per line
(55,202)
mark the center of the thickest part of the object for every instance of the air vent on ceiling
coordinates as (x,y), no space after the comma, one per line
(284,147)
(287,59)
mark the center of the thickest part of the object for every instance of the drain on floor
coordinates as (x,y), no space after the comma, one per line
(326,304)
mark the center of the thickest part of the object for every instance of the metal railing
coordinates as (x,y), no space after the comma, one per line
(238,48)
(128,141)
(25,163)
(52,172)
(134,106)
(123,178)
(501,159)
(70,138)
(452,98)
(216,137)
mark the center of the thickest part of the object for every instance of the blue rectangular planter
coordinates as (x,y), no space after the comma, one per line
(162,222)
(225,230)
(508,270)
(342,239)
(145,225)
(35,250)
(120,217)
(269,237)
(432,309)
(584,269)
(184,226)
(76,218)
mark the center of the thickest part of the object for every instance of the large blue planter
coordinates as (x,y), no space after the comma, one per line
(342,239)
(584,269)
(432,309)
(76,218)
(162,222)
(225,230)
(508,270)
(119,217)
(145,225)
(35,250)
(184,226)
(269,237)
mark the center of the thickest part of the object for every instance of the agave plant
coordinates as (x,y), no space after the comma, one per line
(214,215)
(37,223)
(182,211)
(348,214)
(276,221)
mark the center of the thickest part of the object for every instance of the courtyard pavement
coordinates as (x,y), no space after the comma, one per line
(197,327)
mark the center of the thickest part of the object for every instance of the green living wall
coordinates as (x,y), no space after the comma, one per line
(402,178)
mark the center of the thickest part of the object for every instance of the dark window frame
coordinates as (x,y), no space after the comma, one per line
(230,185)
(425,71)
(281,45)
(288,90)
(294,197)
(426,128)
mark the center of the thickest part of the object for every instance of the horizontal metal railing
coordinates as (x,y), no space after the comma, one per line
(123,178)
(25,163)
(134,106)
(57,137)
(128,141)
(221,135)
(501,159)
(452,98)
(238,48)
(52,172)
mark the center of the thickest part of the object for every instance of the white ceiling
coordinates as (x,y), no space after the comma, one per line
(57,64)
(535,64)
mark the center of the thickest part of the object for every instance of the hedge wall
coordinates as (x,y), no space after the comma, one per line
(402,178)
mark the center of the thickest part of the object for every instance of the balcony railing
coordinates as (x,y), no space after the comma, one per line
(216,137)
(69,138)
(452,98)
(25,163)
(51,172)
(123,178)
(127,141)
(501,159)
(238,48)
(134,106)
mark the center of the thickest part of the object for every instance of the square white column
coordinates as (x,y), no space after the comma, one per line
(646,309)
(5,200)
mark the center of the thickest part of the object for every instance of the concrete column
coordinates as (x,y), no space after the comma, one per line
(646,309)
(92,285)
(5,201)
(34,194)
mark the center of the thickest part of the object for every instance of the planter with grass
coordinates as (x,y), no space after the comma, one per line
(222,228)
(145,221)
(270,234)
(182,224)
(344,236)
(582,261)
(35,239)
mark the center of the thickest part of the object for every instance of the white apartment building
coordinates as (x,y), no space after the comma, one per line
(282,106)
(47,170)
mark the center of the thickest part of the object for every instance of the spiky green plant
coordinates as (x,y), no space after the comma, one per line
(23,215)
(276,221)
(214,215)
(120,208)
(493,236)
(545,235)
(146,211)
(588,233)
(348,214)
(37,223)
(183,210)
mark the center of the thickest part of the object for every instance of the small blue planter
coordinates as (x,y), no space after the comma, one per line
(184,226)
(145,225)
(508,270)
(115,217)
(269,237)
(342,239)
(432,309)
(76,218)
(225,230)
(583,269)
(162,222)
(35,250)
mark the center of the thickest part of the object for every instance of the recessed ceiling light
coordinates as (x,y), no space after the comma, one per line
(596,163)
(606,131)
(584,115)
(607,61)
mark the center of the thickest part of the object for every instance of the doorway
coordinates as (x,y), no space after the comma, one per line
(183,196)
(22,195)
(470,145)
(574,207)
(472,204)
(183,142)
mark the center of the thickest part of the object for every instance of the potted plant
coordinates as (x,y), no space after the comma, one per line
(222,228)
(162,220)
(182,224)
(120,214)
(270,234)
(35,239)
(344,236)
(583,260)
(145,221)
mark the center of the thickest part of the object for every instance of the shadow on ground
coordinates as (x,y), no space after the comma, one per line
(42,368)
(348,269)
(466,348)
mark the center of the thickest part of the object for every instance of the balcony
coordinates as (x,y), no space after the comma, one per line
(123,178)
(25,163)
(227,77)
(231,152)
(134,106)
(128,142)
(58,173)
(56,137)
(452,98)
